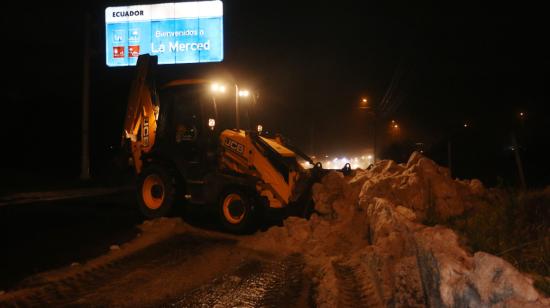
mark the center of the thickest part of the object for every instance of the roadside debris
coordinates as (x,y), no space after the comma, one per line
(369,235)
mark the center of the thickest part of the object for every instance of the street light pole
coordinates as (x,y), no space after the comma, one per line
(217,88)
(237,107)
(364,105)
(215,108)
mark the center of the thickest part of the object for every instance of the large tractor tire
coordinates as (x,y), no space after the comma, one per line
(237,211)
(156,191)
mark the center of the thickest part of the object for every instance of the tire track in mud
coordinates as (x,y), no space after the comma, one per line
(353,292)
(255,283)
(65,291)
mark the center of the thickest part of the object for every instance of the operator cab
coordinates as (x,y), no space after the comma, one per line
(185,124)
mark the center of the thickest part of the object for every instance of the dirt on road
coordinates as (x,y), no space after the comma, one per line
(174,265)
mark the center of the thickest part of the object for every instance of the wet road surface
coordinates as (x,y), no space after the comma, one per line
(255,283)
(184,271)
(44,235)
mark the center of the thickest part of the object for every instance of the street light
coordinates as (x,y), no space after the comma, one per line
(217,88)
(363,104)
(394,127)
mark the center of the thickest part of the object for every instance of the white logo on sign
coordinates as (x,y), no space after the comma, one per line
(118,36)
(134,36)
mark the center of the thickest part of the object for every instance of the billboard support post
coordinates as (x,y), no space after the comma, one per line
(85,158)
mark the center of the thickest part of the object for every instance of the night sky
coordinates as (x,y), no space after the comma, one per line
(432,70)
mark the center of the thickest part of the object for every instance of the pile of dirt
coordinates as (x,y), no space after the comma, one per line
(425,188)
(369,244)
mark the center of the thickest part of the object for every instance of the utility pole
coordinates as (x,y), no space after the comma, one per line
(85,159)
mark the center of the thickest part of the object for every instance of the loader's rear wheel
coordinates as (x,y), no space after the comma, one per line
(236,211)
(156,191)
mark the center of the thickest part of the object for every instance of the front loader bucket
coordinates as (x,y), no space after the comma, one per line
(303,205)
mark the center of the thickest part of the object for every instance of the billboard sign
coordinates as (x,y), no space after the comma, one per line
(181,32)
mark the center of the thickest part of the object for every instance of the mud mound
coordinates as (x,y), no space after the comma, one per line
(424,187)
(369,243)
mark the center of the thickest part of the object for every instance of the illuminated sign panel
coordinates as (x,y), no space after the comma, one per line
(182,32)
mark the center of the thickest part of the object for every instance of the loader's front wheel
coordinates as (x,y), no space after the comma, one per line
(156,192)
(236,210)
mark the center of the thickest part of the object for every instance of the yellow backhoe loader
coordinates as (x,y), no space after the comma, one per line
(179,154)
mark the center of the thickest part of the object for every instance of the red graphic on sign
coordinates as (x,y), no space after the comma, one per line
(133,51)
(118,52)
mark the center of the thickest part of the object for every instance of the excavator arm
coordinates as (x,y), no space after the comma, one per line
(140,123)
